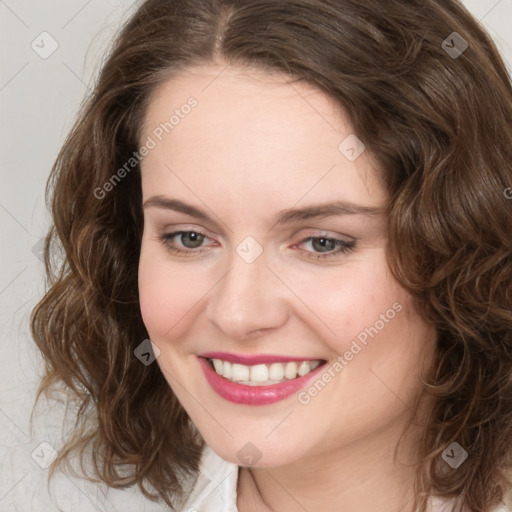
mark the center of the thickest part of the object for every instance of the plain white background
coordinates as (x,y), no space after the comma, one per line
(39,99)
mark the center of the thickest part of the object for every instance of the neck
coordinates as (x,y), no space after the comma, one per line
(361,476)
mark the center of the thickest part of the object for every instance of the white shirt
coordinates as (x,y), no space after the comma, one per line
(215,488)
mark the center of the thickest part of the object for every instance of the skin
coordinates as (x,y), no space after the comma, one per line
(252,147)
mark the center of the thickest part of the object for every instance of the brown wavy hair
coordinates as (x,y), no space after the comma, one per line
(438,123)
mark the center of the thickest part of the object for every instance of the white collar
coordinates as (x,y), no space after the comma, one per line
(215,487)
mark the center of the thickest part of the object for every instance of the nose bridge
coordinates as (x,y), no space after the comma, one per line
(247,298)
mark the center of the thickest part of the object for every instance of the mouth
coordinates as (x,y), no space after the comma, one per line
(263,374)
(261,383)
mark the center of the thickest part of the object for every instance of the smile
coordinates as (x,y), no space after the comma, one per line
(262,374)
(261,383)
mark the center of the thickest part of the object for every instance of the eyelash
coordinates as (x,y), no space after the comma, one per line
(343,246)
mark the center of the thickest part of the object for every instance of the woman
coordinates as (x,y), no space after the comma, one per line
(287,271)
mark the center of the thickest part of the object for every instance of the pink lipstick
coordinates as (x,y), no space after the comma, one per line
(253,395)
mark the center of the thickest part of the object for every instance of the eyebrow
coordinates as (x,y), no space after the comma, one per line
(287,216)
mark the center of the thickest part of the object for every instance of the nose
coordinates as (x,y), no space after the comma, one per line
(248,300)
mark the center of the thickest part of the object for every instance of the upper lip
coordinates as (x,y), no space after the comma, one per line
(250,360)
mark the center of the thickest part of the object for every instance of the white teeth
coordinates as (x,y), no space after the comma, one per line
(259,373)
(263,374)
(290,370)
(314,364)
(276,371)
(304,368)
(226,369)
(219,365)
(239,372)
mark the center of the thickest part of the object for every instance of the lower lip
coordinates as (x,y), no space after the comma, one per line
(254,395)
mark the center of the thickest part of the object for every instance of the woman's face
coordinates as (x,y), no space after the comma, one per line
(252,278)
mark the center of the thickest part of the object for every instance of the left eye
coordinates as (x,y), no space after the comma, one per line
(334,246)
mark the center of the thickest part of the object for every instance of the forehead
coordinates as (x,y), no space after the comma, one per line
(238,94)
(250,126)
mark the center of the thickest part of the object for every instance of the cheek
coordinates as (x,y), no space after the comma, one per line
(349,299)
(167,295)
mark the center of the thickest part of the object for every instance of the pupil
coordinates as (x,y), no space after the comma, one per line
(322,242)
(193,237)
